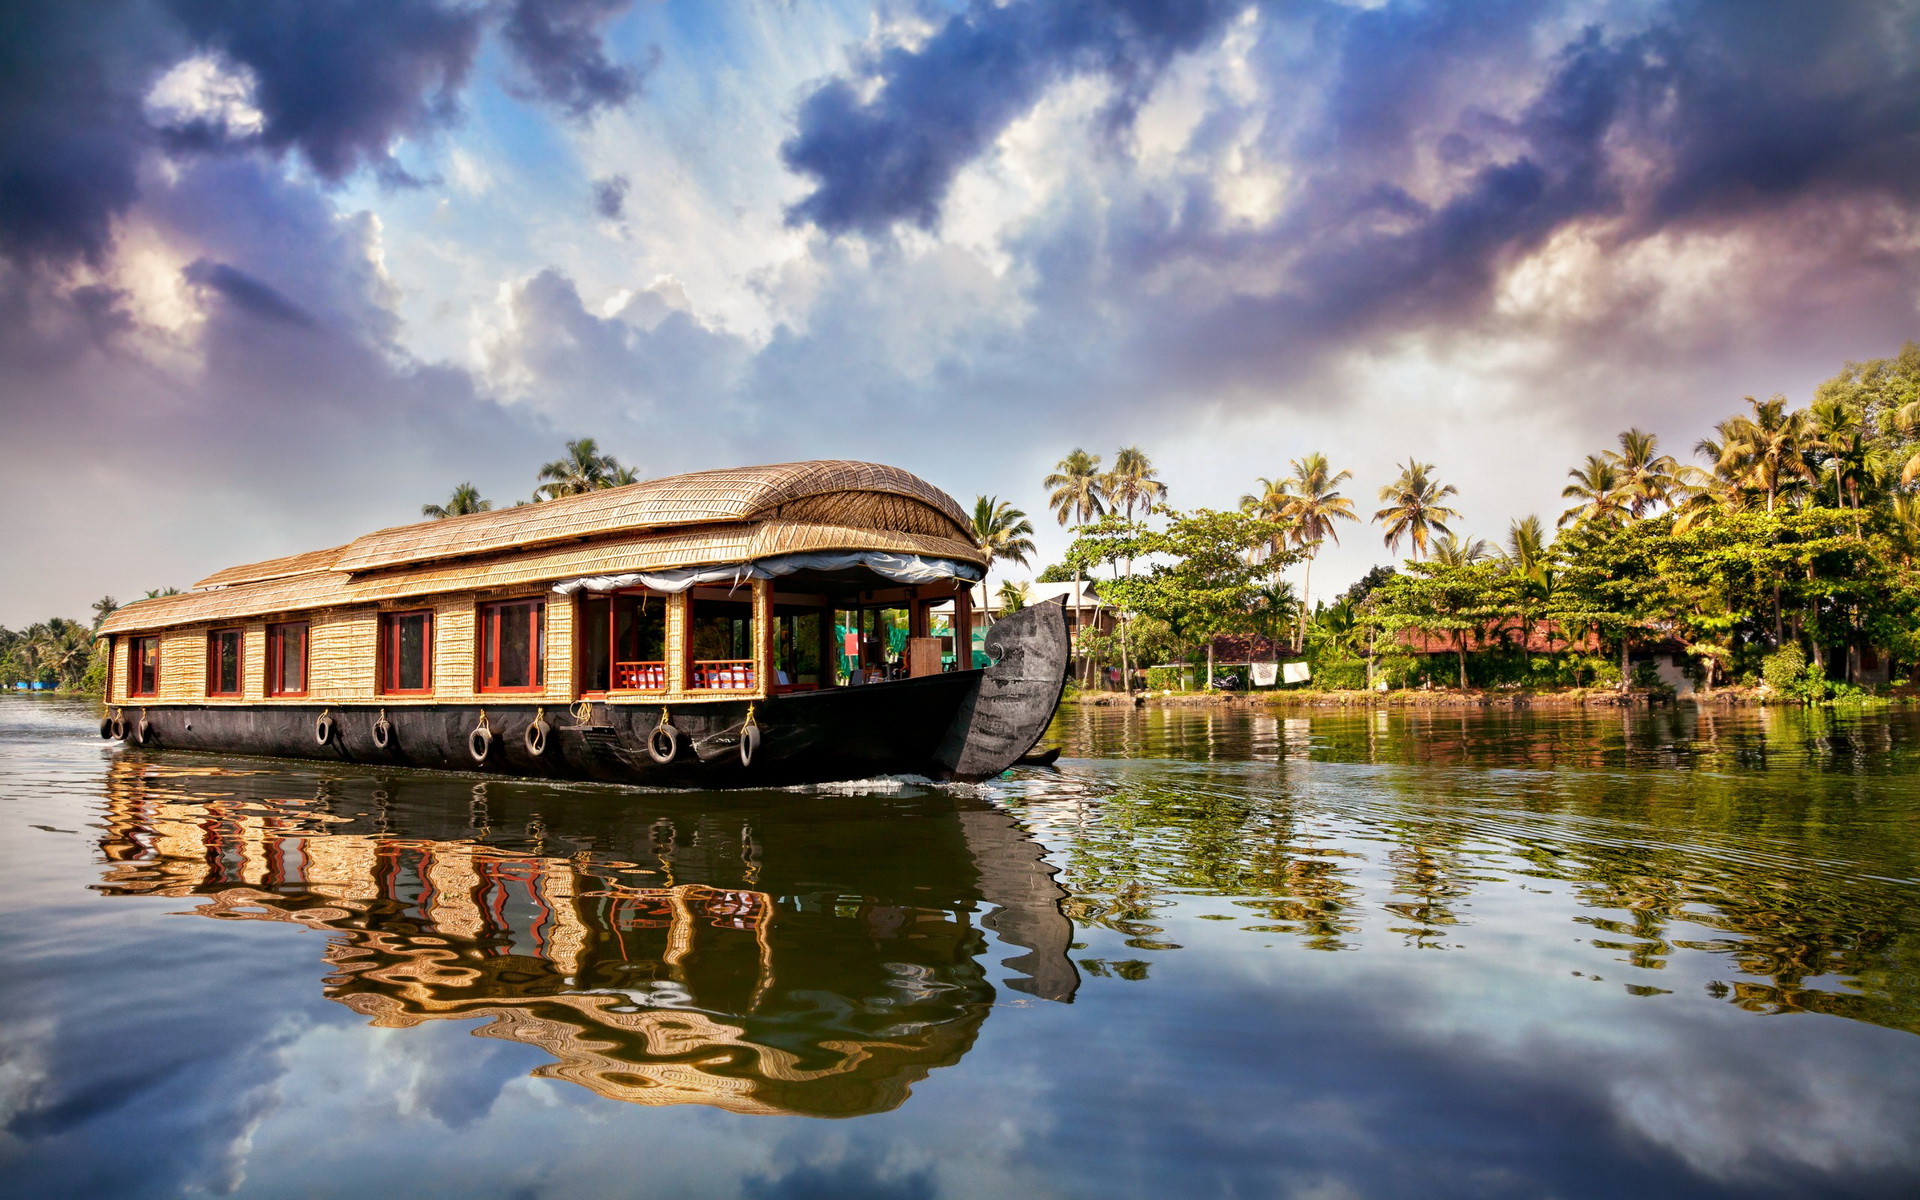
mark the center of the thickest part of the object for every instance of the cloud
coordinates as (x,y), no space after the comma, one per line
(558,43)
(246,293)
(610,196)
(893,157)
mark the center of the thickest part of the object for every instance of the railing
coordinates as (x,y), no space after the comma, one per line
(721,673)
(640,676)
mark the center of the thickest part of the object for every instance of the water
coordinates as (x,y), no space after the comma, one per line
(1461,954)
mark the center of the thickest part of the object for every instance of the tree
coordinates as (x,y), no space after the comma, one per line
(583,469)
(1076,494)
(1203,580)
(1003,532)
(1766,450)
(103,608)
(1454,600)
(1453,552)
(1313,507)
(465,499)
(1013,596)
(1647,478)
(1413,509)
(1132,482)
(1596,486)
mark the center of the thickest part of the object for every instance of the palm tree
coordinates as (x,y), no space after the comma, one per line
(1132,482)
(1314,505)
(465,499)
(620,476)
(1906,419)
(1526,558)
(1271,504)
(584,469)
(156,593)
(103,608)
(1076,496)
(1451,551)
(1596,485)
(1003,532)
(1413,508)
(1647,477)
(1768,449)
(1013,596)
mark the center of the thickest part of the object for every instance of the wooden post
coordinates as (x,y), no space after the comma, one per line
(963,628)
(916,614)
(763,631)
(679,643)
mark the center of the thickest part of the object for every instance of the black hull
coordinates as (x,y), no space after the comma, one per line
(965,725)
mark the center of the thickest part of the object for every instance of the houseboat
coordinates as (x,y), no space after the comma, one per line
(756,627)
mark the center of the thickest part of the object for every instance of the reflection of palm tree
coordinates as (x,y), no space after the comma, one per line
(1076,494)
(584,469)
(465,499)
(1003,531)
(1413,508)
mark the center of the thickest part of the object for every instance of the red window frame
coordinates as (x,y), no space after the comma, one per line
(390,653)
(486,658)
(276,651)
(213,662)
(138,648)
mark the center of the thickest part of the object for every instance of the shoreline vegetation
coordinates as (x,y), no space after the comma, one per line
(1452,698)
(1782,566)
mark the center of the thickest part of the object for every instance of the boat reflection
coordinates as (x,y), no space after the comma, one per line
(786,953)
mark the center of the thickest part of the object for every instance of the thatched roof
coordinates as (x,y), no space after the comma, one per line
(710,517)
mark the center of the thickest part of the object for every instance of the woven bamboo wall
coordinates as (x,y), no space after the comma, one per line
(342,652)
(559,625)
(253,662)
(183,665)
(453,647)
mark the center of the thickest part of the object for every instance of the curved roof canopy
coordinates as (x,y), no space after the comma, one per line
(682,520)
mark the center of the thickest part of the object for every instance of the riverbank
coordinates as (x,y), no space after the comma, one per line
(1438,698)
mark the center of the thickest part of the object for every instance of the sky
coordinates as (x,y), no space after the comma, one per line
(274,275)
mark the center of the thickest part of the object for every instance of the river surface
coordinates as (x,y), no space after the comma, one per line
(1214,953)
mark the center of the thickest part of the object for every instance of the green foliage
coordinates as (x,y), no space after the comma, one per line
(1055,573)
(1200,577)
(56,651)
(1165,679)
(1785,670)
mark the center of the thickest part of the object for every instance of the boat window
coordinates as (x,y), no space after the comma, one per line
(406,653)
(720,643)
(512,650)
(223,662)
(623,645)
(796,647)
(143,666)
(287,659)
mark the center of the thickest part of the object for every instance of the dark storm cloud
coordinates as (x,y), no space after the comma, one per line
(892,158)
(610,196)
(340,80)
(337,82)
(558,43)
(246,293)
